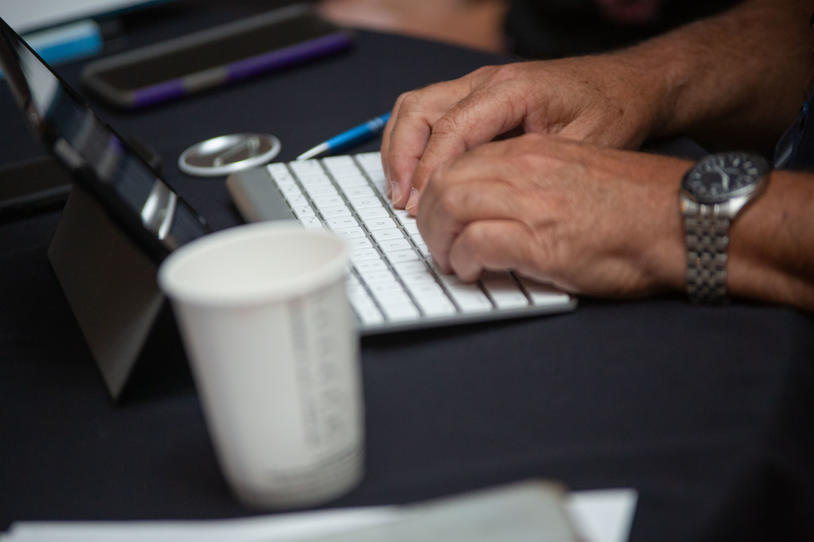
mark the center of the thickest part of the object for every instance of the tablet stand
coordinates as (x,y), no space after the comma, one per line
(110,285)
(30,187)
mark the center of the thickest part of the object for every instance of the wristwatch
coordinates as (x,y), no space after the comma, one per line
(712,194)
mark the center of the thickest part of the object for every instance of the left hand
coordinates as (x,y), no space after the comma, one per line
(585,219)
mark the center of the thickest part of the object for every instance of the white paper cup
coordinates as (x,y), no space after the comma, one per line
(271,339)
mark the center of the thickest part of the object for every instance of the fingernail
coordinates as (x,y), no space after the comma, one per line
(413,200)
(395,192)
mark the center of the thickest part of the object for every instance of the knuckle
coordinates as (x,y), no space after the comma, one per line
(446,125)
(547,255)
(401,98)
(475,237)
(410,100)
(530,161)
(507,72)
(450,198)
(484,72)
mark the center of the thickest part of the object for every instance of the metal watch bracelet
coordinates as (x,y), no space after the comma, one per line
(707,242)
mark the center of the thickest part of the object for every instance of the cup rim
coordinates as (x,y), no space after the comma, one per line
(333,269)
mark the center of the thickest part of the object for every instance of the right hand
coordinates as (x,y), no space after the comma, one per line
(605,100)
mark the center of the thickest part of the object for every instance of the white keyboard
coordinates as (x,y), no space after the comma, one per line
(394,283)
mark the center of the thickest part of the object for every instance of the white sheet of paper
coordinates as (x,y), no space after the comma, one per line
(599,516)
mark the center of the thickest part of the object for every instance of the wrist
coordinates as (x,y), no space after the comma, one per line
(662,254)
(659,80)
(769,257)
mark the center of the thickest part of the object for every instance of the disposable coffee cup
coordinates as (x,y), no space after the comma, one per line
(272,343)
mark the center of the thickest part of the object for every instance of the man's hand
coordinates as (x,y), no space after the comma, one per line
(605,100)
(586,219)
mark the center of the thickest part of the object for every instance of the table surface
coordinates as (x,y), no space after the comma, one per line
(707,412)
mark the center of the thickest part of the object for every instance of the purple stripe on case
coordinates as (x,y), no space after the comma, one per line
(243,69)
(332,43)
(159,93)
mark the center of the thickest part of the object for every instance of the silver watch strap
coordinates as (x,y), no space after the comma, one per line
(707,238)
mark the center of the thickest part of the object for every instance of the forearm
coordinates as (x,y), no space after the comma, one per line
(737,79)
(771,253)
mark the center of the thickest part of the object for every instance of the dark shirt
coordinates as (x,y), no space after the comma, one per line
(795,150)
(557,28)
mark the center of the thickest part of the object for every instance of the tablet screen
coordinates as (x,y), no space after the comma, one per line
(34,14)
(131,192)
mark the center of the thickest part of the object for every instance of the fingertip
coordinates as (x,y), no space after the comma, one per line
(412,202)
(395,192)
(462,259)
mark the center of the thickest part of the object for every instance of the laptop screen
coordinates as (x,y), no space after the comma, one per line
(99,159)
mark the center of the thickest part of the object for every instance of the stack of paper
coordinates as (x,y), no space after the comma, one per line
(515,513)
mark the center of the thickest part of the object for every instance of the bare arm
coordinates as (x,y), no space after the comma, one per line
(736,79)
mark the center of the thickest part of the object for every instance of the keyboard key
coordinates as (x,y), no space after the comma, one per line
(380,185)
(366,310)
(371,264)
(402,216)
(412,229)
(431,298)
(416,277)
(280,173)
(359,193)
(381,224)
(312,222)
(399,256)
(351,182)
(362,303)
(358,244)
(503,290)
(318,187)
(291,191)
(400,311)
(370,161)
(366,214)
(542,294)
(387,234)
(335,211)
(358,258)
(340,164)
(350,232)
(308,170)
(412,266)
(389,293)
(395,244)
(340,222)
(328,198)
(303,210)
(378,277)
(469,297)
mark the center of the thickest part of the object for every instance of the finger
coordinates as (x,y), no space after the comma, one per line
(492,245)
(454,199)
(478,118)
(409,130)
(385,146)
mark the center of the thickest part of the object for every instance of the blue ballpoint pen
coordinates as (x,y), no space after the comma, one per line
(354,136)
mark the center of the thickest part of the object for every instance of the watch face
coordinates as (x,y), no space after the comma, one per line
(719,177)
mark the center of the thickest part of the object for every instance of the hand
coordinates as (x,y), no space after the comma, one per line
(604,100)
(586,219)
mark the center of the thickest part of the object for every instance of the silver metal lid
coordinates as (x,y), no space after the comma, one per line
(228,153)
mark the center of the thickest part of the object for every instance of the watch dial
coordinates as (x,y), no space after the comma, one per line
(721,176)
